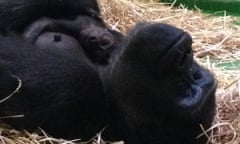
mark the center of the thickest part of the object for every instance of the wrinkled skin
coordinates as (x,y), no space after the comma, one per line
(77,76)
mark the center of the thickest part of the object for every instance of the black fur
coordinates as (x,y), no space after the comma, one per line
(60,92)
(162,95)
(73,81)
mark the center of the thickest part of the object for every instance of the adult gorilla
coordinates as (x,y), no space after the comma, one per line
(74,81)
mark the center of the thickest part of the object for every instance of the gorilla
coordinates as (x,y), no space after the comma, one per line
(75,76)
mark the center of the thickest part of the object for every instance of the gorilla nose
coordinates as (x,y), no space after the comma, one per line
(106,41)
(102,40)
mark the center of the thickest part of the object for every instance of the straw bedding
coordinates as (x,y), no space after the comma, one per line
(216,40)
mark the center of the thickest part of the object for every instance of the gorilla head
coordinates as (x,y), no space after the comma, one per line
(96,39)
(162,94)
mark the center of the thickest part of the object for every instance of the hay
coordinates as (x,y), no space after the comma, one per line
(214,38)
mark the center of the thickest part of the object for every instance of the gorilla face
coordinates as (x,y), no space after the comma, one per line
(157,84)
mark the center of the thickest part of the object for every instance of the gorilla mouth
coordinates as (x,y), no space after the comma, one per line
(202,85)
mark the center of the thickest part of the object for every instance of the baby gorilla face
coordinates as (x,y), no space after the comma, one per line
(82,32)
(162,92)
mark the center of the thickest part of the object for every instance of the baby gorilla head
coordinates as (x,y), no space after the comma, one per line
(87,32)
(163,94)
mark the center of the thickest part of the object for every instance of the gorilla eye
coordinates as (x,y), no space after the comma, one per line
(188,50)
(184,53)
(92,39)
(183,59)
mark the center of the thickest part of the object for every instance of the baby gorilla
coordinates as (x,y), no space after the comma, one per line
(57,91)
(162,95)
(93,35)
